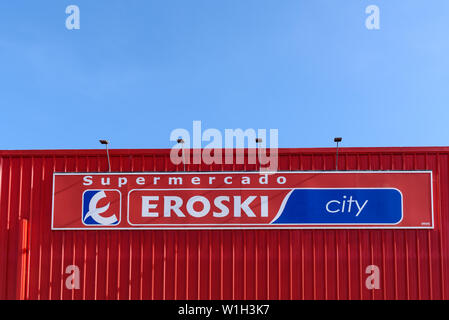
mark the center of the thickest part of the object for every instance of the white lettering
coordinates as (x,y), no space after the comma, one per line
(263,179)
(146,206)
(168,206)
(332,211)
(333,206)
(281,180)
(174,180)
(218,202)
(360,208)
(122,181)
(87,180)
(193,212)
(239,206)
(264,206)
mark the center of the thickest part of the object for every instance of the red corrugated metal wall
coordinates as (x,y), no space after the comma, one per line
(216,264)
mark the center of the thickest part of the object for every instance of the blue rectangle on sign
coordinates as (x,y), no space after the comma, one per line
(341,206)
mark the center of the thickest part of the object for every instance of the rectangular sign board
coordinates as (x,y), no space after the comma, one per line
(243,200)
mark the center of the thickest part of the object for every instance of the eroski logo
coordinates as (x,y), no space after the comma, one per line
(101,207)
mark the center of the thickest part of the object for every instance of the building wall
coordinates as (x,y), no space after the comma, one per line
(215,264)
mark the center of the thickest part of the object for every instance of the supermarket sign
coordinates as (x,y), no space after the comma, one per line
(243,200)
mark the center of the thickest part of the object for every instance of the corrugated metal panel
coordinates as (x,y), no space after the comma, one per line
(224,264)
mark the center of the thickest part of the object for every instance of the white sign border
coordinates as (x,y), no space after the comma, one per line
(260,227)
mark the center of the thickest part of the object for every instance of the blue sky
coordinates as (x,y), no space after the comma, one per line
(138,69)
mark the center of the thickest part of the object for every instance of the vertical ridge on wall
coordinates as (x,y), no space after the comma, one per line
(214,264)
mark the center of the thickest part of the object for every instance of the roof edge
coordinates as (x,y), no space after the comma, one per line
(94,152)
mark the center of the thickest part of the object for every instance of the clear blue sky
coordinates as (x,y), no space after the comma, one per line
(138,69)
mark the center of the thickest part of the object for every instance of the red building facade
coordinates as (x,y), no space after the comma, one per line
(215,264)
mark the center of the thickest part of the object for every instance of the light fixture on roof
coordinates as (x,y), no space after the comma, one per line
(337,140)
(181,141)
(106,143)
(258,141)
